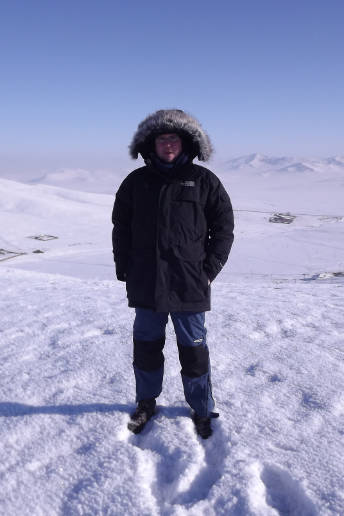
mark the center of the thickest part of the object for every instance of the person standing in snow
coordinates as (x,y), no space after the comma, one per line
(172,234)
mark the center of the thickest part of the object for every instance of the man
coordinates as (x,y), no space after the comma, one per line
(173,230)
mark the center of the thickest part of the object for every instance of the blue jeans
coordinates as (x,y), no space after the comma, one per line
(149,340)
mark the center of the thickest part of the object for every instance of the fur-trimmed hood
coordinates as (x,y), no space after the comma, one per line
(171,121)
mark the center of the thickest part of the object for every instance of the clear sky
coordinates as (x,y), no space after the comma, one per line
(77,76)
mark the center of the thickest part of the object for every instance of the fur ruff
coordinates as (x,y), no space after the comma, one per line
(170,121)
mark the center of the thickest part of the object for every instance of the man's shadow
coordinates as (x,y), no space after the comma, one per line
(13,409)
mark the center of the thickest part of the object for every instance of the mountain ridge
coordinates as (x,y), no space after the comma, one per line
(267,163)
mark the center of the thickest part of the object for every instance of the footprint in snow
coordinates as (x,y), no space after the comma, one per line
(215,451)
(284,493)
(186,466)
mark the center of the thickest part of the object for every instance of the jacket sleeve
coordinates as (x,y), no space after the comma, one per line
(220,219)
(121,233)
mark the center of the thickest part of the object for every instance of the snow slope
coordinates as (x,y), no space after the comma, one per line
(80,221)
(276,337)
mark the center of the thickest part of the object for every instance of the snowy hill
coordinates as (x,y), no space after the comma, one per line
(261,163)
(99,181)
(275,334)
(79,221)
(257,161)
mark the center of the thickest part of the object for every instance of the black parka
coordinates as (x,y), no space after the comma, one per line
(172,233)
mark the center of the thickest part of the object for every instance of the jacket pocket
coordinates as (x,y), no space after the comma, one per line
(192,250)
(188,278)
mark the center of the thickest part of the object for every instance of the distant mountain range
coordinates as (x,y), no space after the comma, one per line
(106,181)
(263,163)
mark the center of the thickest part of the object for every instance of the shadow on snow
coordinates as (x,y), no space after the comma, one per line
(12,409)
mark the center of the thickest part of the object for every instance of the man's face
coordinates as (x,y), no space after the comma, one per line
(168,146)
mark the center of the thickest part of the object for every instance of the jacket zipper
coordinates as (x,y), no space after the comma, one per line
(162,190)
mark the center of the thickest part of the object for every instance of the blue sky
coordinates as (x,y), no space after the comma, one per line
(77,76)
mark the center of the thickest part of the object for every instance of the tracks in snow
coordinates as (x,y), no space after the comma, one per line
(177,478)
(273,490)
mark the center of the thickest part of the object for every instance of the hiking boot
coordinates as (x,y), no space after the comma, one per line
(203,424)
(144,411)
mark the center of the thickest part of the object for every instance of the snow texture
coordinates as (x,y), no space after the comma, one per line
(276,338)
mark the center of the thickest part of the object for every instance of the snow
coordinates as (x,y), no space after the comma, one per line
(275,335)
(262,163)
(96,181)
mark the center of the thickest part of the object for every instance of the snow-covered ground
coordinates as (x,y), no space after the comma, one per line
(276,338)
